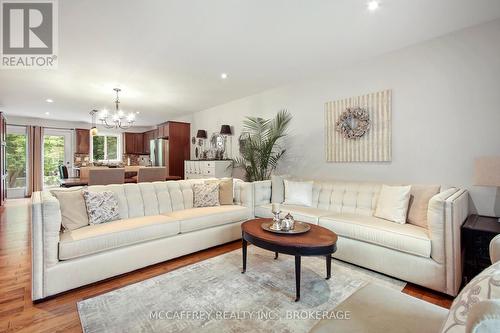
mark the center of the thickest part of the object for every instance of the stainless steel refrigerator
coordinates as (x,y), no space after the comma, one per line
(159,152)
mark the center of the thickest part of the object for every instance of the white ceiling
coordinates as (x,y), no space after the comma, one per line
(168,55)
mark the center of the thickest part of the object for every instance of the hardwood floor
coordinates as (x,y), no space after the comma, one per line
(59,314)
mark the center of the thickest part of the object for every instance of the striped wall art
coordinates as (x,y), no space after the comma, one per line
(375,145)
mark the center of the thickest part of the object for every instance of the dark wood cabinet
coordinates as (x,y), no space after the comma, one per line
(163,130)
(178,135)
(133,143)
(147,137)
(82,141)
(3,159)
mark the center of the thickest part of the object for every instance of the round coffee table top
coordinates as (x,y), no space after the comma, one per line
(316,237)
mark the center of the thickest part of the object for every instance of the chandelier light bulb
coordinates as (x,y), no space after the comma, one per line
(130,117)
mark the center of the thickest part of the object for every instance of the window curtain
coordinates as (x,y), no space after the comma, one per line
(35,177)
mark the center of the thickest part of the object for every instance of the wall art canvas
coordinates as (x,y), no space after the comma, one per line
(358,129)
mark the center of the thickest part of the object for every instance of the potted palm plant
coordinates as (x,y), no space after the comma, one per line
(261,145)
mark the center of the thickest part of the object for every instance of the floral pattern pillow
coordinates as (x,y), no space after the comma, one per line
(102,207)
(483,287)
(206,195)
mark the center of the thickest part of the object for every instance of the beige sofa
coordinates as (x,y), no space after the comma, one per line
(380,309)
(429,257)
(158,222)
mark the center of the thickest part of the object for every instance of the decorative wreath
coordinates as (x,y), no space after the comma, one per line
(355,115)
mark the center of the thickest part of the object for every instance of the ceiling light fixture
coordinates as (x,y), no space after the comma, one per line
(373,5)
(116,120)
(223,76)
(49,100)
(47,113)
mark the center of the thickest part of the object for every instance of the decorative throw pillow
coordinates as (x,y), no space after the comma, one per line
(485,286)
(420,195)
(73,209)
(392,203)
(278,189)
(225,190)
(298,193)
(102,207)
(206,195)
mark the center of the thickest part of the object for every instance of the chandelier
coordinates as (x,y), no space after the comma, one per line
(117,119)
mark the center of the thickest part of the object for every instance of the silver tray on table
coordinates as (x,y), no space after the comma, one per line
(300,228)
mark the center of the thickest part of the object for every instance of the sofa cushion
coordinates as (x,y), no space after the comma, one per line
(485,286)
(298,193)
(102,237)
(206,195)
(299,213)
(401,237)
(73,209)
(420,195)
(102,207)
(205,217)
(393,202)
(226,190)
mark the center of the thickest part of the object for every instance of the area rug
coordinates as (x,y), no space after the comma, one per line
(213,296)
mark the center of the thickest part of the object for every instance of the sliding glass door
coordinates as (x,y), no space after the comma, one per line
(56,151)
(16,161)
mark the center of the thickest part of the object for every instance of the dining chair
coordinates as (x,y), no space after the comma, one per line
(106,176)
(63,172)
(151,174)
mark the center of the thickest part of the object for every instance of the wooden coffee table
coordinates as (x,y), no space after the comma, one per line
(318,241)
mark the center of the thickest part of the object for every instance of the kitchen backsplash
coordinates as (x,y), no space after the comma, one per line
(80,160)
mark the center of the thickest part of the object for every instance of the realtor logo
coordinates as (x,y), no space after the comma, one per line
(29,34)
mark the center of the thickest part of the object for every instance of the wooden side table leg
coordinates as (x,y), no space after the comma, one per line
(328,266)
(297,278)
(244,250)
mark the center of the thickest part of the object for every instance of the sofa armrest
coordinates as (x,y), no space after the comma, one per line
(45,228)
(262,192)
(484,317)
(243,195)
(495,249)
(446,213)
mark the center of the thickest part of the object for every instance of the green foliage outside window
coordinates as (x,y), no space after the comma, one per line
(53,156)
(105,148)
(16,160)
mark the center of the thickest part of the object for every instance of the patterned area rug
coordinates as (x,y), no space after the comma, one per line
(213,296)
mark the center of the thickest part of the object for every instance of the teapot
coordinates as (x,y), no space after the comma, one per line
(288,223)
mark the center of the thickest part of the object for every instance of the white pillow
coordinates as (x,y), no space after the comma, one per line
(393,203)
(298,193)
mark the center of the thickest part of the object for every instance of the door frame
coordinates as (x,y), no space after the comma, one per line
(68,148)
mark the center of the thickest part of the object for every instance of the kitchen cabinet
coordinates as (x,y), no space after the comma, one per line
(133,143)
(82,141)
(176,137)
(163,129)
(147,137)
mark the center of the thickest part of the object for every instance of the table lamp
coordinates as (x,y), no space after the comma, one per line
(487,171)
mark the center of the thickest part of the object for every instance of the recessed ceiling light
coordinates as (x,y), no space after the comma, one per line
(137,112)
(48,100)
(47,113)
(223,76)
(373,5)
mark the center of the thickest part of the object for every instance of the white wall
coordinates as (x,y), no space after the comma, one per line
(446,112)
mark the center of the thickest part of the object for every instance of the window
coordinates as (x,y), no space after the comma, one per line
(106,148)
(16,161)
